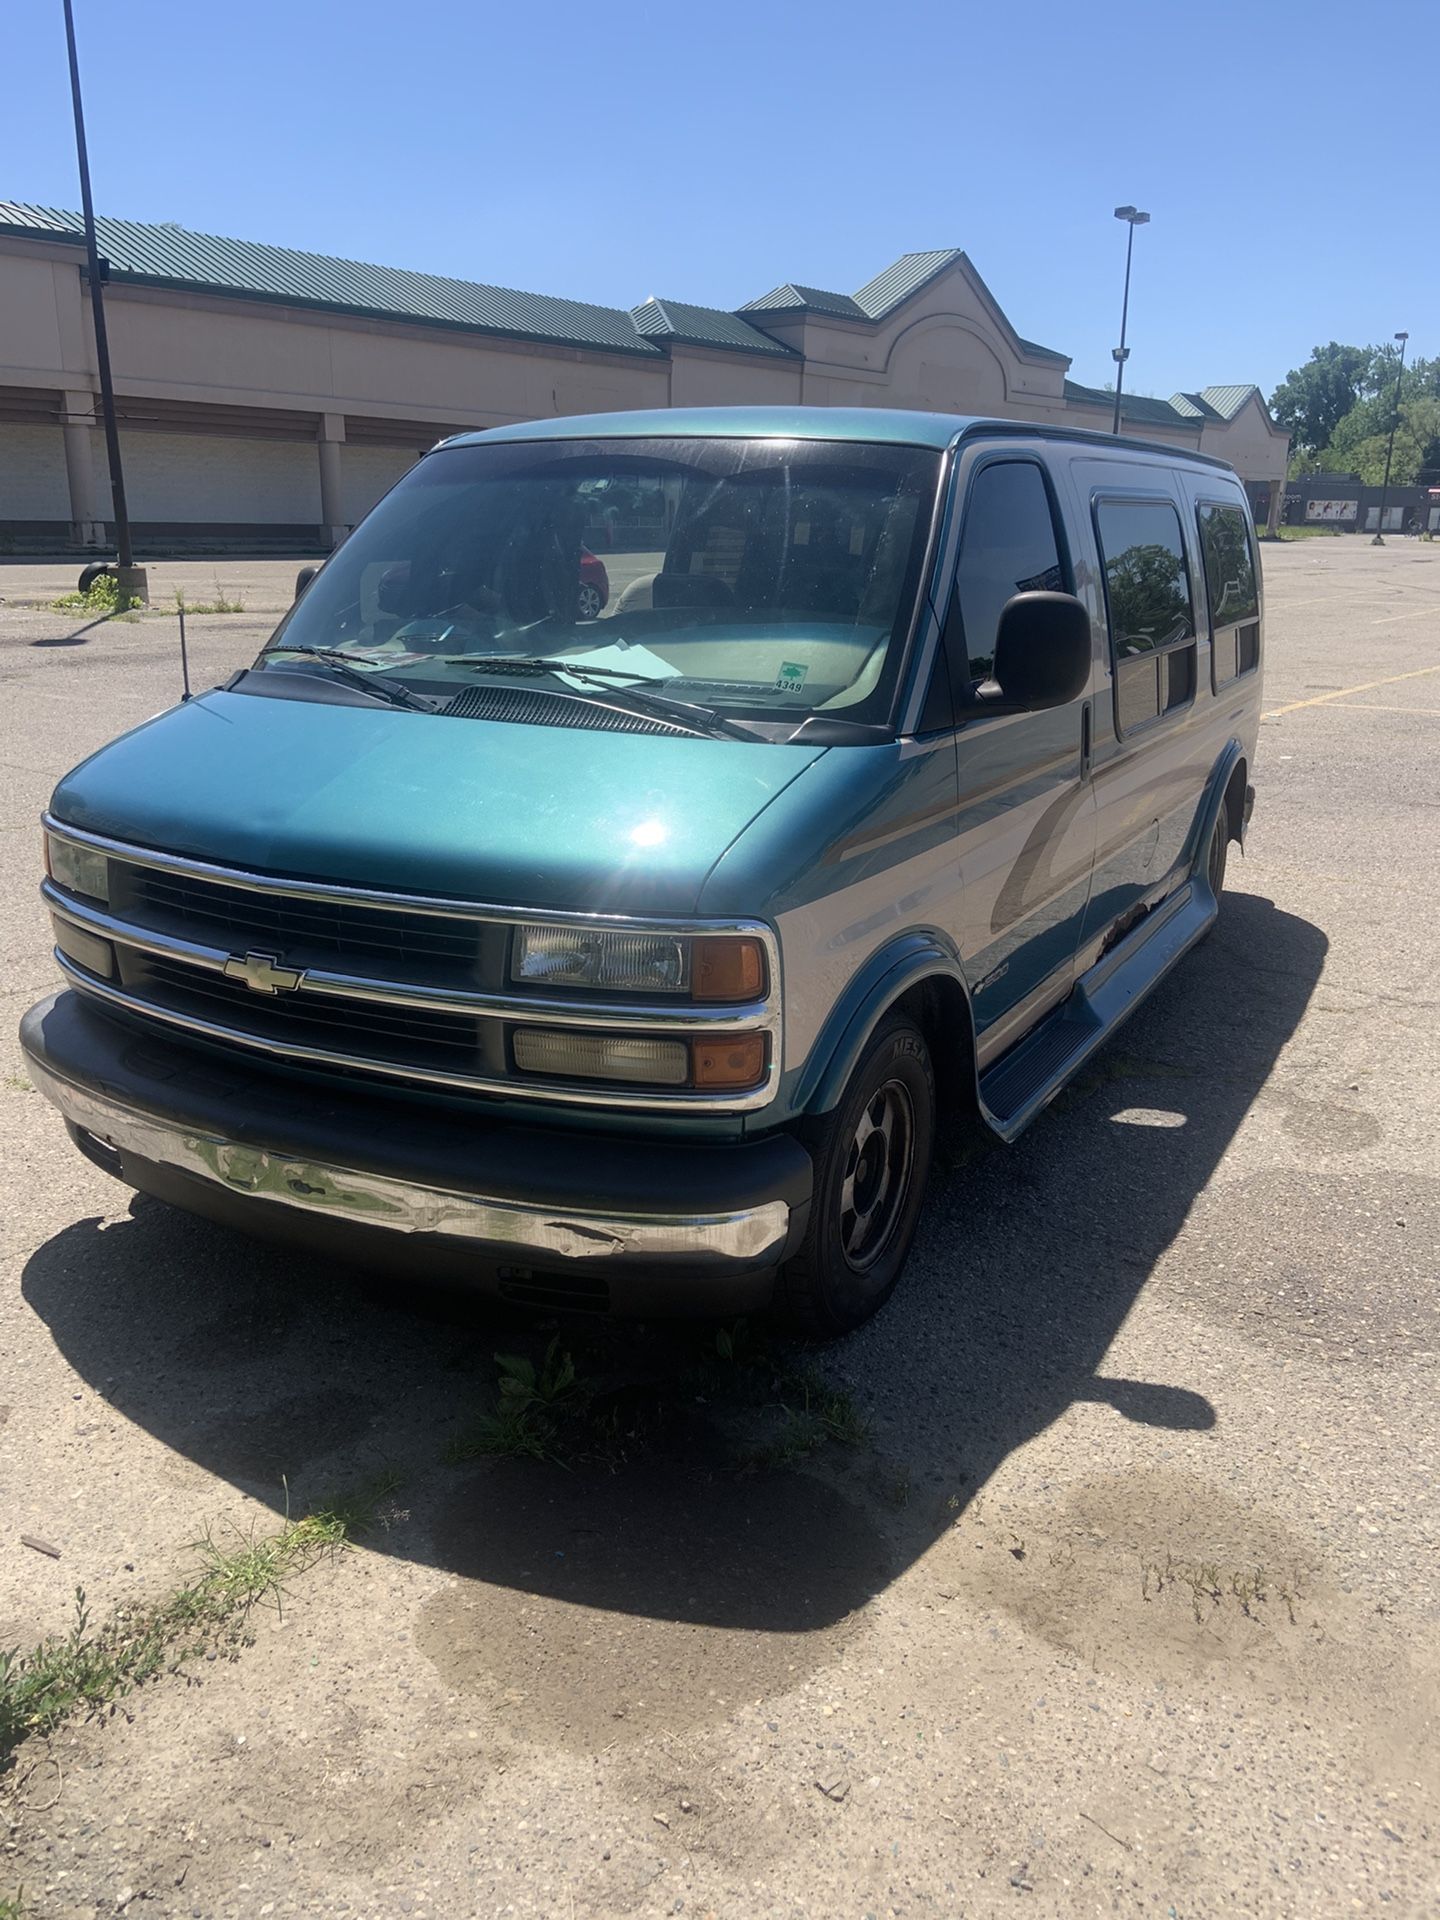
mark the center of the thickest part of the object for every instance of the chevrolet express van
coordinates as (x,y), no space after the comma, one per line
(625,955)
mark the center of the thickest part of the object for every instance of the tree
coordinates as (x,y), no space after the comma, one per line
(1311,401)
(1362,439)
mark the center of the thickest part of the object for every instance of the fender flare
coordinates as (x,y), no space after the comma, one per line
(890,973)
(1221,774)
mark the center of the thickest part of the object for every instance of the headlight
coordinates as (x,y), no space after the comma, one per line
(704,967)
(78,869)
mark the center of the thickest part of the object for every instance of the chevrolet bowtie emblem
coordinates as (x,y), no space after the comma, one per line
(263,973)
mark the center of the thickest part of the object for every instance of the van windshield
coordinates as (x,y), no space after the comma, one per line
(771,579)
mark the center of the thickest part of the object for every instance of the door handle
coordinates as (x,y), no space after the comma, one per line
(1085,741)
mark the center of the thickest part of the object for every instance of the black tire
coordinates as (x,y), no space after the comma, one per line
(852,1256)
(1219,852)
(588,604)
(95,571)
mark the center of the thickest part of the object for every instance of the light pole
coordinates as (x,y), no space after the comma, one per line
(131,579)
(1379,539)
(1133,218)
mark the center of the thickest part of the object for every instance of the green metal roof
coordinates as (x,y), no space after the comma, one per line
(903,278)
(1227,401)
(1133,406)
(1193,406)
(168,255)
(703,327)
(798,299)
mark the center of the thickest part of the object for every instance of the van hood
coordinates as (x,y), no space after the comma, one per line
(425,803)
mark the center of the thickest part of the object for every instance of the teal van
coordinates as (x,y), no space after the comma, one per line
(642,831)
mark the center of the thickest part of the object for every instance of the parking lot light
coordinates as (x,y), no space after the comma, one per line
(1133,218)
(1379,539)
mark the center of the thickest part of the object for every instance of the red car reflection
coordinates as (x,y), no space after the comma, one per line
(594,585)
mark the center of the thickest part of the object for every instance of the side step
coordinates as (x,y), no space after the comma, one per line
(1023,1082)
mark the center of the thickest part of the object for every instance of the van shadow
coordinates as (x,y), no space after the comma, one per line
(291,1380)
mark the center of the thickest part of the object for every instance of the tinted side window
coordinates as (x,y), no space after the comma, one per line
(1232,588)
(1008,547)
(1152,620)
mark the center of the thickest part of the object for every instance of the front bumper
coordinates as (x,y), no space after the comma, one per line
(631,1223)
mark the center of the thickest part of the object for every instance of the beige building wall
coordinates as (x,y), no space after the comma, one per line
(251,399)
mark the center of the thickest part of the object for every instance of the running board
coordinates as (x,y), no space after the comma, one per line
(1028,1077)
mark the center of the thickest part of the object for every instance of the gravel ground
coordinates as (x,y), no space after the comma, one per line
(1126,1605)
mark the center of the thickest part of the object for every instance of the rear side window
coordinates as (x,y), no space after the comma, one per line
(1008,547)
(1232,588)
(1152,619)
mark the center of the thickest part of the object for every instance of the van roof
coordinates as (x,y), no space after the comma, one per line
(884,425)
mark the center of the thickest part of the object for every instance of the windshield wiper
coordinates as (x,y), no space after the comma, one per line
(336,659)
(636,688)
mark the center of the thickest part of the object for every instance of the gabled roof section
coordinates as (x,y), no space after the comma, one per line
(1227,401)
(1194,406)
(172,256)
(1133,406)
(906,276)
(880,297)
(703,327)
(792,298)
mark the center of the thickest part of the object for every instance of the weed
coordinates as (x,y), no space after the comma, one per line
(93,1666)
(102,597)
(1208,1587)
(220,604)
(534,1403)
(12,1906)
(811,1413)
(17,1083)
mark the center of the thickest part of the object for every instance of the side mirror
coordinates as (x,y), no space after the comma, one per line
(303,579)
(1042,652)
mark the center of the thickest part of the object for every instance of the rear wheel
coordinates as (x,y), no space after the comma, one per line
(589,602)
(872,1158)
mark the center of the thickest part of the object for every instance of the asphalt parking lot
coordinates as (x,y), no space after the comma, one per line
(1107,1583)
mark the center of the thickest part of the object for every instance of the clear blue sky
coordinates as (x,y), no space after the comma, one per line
(709,153)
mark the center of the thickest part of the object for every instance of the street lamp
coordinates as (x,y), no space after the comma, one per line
(131,579)
(1133,218)
(1379,539)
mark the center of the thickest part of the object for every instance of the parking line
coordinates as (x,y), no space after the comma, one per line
(1344,693)
(1385,619)
(1377,706)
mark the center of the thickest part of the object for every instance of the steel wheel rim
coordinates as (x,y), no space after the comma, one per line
(876,1181)
(589,603)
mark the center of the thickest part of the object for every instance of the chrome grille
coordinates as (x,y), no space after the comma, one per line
(305,932)
(400,1036)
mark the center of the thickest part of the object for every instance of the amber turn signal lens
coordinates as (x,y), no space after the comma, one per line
(722,968)
(736,1061)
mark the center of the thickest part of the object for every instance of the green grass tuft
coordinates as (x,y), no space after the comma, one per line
(93,1666)
(220,604)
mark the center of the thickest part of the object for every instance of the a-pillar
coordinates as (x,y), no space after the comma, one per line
(77,428)
(332,511)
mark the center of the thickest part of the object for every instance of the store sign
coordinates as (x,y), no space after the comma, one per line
(1331,509)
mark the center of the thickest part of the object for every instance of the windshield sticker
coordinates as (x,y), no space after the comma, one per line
(791,677)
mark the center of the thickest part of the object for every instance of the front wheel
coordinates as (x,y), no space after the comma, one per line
(872,1158)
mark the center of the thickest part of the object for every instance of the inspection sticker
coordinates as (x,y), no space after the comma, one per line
(791,676)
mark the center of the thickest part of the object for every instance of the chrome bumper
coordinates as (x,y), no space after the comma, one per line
(506,1229)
